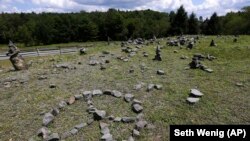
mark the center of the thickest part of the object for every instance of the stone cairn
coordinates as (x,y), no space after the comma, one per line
(196,62)
(100,116)
(158,54)
(213,44)
(16,59)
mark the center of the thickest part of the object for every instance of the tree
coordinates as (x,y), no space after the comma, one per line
(193,25)
(180,21)
(214,25)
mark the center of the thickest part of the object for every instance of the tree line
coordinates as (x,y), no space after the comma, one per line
(47,28)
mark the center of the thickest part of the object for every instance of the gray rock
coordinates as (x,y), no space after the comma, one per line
(130,138)
(78,96)
(128,97)
(140,116)
(65,135)
(48,118)
(64,66)
(116,93)
(105,130)
(128,119)
(136,133)
(62,104)
(103,125)
(90,121)
(93,62)
(73,131)
(89,102)
(140,124)
(150,87)
(107,92)
(43,132)
(7,84)
(137,108)
(97,92)
(52,85)
(99,114)
(80,126)
(158,87)
(135,101)
(53,137)
(196,92)
(91,109)
(208,70)
(117,119)
(107,137)
(239,84)
(138,86)
(87,95)
(160,72)
(111,117)
(192,100)
(42,77)
(55,111)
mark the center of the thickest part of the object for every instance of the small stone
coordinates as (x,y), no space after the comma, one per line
(42,77)
(90,121)
(140,125)
(78,96)
(239,84)
(62,104)
(175,51)
(99,114)
(73,131)
(107,61)
(107,137)
(184,57)
(140,116)
(52,86)
(53,137)
(48,117)
(128,119)
(160,72)
(87,95)
(103,125)
(158,87)
(117,119)
(116,93)
(97,92)
(107,92)
(89,102)
(208,70)
(105,130)
(7,84)
(135,101)
(196,92)
(145,55)
(71,100)
(138,86)
(192,100)
(137,108)
(128,97)
(80,126)
(55,111)
(130,138)
(43,132)
(111,117)
(91,109)
(66,135)
(150,87)
(93,62)
(136,133)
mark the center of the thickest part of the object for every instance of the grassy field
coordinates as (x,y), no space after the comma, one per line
(223,102)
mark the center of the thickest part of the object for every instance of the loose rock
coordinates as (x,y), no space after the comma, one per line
(97,93)
(150,87)
(196,92)
(62,104)
(99,114)
(160,72)
(128,97)
(128,119)
(53,137)
(192,100)
(137,108)
(116,94)
(48,118)
(71,100)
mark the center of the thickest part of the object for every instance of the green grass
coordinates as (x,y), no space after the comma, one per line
(223,102)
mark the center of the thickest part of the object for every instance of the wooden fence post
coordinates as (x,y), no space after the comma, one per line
(37,50)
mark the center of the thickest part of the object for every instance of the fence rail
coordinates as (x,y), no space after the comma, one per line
(44,52)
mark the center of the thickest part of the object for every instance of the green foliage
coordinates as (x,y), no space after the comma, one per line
(49,28)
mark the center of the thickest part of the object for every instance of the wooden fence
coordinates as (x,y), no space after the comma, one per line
(45,51)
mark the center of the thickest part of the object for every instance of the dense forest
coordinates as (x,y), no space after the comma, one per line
(48,28)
